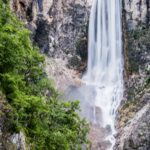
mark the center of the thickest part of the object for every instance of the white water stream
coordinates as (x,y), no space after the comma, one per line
(105,64)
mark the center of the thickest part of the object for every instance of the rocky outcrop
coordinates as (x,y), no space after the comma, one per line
(29,10)
(133,115)
(97,137)
(18,140)
(69,25)
(137,13)
(136,134)
(59,27)
(7,140)
(62,76)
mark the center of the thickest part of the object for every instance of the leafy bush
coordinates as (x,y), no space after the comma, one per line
(48,124)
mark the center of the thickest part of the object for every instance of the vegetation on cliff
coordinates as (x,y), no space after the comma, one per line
(138,47)
(33,101)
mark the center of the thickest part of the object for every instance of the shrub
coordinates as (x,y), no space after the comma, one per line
(48,124)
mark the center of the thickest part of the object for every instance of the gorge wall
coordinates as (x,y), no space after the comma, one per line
(134,114)
(59,27)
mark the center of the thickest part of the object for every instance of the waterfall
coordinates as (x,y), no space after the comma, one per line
(105,63)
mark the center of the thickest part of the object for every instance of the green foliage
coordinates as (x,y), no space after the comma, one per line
(48,124)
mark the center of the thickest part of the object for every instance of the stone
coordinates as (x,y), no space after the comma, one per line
(135,135)
(19,141)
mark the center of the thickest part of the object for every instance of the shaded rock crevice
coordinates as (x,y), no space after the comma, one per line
(59,27)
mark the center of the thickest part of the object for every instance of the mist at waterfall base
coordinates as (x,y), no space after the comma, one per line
(102,92)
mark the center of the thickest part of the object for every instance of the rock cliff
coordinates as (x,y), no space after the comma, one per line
(137,13)
(59,27)
(133,117)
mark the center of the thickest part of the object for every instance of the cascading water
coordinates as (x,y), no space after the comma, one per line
(105,62)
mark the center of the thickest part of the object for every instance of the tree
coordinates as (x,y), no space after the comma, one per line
(48,123)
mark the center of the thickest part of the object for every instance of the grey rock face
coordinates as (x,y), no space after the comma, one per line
(136,134)
(59,27)
(19,141)
(8,141)
(134,113)
(137,12)
(69,25)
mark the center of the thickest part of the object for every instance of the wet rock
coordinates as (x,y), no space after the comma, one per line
(98,115)
(97,136)
(108,130)
(81,46)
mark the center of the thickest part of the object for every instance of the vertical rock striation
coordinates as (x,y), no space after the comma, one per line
(59,27)
(137,13)
(134,115)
